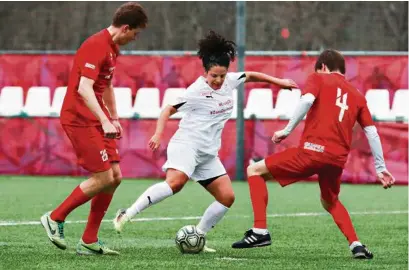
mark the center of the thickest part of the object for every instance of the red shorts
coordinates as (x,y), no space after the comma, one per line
(293,165)
(95,153)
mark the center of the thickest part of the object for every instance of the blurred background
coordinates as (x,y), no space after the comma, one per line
(39,39)
(347,26)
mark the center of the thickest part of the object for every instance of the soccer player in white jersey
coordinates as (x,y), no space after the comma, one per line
(193,149)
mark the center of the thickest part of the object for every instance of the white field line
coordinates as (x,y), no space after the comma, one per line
(231,259)
(308,214)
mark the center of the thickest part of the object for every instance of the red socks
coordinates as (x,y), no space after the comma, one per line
(99,206)
(259,200)
(75,199)
(343,221)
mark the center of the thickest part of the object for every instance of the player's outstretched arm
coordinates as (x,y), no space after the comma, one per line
(382,174)
(366,122)
(87,93)
(302,109)
(252,76)
(110,102)
(154,142)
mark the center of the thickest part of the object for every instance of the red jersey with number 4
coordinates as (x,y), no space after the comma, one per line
(328,128)
(95,59)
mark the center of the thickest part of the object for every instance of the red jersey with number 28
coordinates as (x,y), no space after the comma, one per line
(95,59)
(328,128)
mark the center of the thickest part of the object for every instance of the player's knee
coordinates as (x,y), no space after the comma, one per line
(252,170)
(104,179)
(228,199)
(176,185)
(117,179)
(328,203)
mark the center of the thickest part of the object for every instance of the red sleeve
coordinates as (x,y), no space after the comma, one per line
(91,59)
(364,117)
(312,85)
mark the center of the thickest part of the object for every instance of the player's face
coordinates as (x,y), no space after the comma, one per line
(215,76)
(128,34)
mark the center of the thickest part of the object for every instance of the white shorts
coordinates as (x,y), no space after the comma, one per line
(195,164)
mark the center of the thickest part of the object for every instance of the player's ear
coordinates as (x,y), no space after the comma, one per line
(325,69)
(125,28)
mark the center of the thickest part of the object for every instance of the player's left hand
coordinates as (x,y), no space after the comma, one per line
(279,136)
(287,84)
(118,127)
(386,178)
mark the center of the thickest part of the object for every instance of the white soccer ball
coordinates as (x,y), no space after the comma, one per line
(189,240)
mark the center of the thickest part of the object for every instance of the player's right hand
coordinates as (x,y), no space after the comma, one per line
(154,142)
(386,178)
(110,130)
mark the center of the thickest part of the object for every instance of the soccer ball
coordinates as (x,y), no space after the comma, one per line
(189,240)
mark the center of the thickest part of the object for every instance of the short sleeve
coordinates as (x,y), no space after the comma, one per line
(91,60)
(184,103)
(364,117)
(312,85)
(236,78)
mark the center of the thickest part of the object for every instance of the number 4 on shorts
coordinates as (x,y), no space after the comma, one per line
(104,155)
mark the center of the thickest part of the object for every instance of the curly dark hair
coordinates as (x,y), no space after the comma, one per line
(215,50)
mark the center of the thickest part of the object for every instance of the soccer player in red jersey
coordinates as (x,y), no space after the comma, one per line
(333,106)
(89,118)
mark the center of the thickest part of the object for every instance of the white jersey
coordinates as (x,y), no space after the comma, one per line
(206,112)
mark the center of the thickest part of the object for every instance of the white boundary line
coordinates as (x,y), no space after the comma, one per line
(308,214)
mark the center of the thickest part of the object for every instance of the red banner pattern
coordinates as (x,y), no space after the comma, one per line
(365,72)
(39,146)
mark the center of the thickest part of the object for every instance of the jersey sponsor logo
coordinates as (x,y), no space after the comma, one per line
(111,72)
(88,65)
(226,102)
(222,110)
(207,93)
(314,147)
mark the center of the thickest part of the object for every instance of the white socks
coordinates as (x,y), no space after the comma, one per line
(213,214)
(355,244)
(151,196)
(260,231)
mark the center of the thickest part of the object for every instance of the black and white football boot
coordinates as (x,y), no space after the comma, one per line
(361,252)
(252,240)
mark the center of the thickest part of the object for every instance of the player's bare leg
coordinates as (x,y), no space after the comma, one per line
(89,243)
(222,190)
(258,236)
(344,223)
(53,222)
(175,181)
